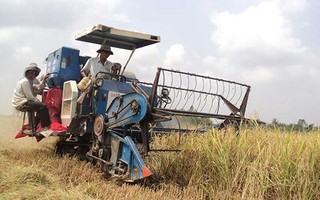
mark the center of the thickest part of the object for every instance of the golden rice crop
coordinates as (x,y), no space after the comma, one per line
(260,163)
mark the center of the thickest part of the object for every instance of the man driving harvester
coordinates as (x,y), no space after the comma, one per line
(100,64)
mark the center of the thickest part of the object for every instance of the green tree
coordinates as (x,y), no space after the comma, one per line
(194,121)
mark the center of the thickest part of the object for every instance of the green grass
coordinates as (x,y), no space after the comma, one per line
(259,164)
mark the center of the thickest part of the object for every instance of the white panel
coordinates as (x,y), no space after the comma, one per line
(69,102)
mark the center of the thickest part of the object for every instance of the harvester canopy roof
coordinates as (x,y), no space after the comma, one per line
(100,34)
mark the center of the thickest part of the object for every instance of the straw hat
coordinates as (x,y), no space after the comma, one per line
(106,48)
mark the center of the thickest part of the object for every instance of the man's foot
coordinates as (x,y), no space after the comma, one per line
(45,132)
(28,132)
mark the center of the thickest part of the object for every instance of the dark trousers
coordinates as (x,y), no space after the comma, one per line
(42,113)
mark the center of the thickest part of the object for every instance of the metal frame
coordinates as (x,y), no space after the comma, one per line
(129,40)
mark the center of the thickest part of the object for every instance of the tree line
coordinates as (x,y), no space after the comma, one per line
(301,126)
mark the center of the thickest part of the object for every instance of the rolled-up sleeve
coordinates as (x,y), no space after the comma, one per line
(86,67)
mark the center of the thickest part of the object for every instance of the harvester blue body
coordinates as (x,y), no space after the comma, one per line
(64,65)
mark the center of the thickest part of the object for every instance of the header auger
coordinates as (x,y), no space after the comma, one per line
(110,117)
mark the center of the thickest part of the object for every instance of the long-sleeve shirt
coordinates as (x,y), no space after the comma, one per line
(26,90)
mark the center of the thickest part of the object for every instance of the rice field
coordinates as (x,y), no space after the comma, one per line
(260,163)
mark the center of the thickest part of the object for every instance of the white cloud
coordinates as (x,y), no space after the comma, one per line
(256,40)
(258,47)
(258,27)
(306,25)
(259,74)
(221,66)
(292,5)
(11,36)
(59,14)
(226,68)
(121,18)
(98,10)
(143,63)
(24,50)
(175,55)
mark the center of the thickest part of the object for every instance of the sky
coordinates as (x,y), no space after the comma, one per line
(271,45)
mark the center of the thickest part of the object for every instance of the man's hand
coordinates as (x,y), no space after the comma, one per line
(115,69)
(44,77)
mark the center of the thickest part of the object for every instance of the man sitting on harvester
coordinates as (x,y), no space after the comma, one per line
(25,98)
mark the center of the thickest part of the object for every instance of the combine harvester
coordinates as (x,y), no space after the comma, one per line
(107,119)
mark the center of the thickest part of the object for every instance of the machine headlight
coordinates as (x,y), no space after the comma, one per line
(165,92)
(99,82)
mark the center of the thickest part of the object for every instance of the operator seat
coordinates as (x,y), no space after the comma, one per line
(31,118)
